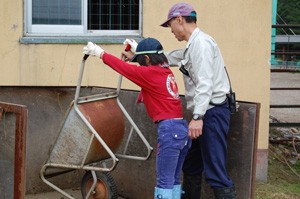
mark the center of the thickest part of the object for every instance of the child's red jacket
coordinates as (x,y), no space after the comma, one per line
(159,91)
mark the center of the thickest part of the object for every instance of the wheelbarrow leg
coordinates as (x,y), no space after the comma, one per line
(52,185)
(93,186)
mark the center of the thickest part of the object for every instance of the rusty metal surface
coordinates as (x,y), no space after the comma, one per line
(242,150)
(47,107)
(13,116)
(106,118)
(7,145)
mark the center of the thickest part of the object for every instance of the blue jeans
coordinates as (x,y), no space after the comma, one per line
(173,145)
(208,152)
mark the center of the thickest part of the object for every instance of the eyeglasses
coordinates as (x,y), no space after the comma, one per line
(184,71)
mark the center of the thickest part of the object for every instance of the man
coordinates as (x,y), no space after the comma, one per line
(206,85)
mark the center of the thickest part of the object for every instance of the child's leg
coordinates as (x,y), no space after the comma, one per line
(181,159)
(167,156)
(173,144)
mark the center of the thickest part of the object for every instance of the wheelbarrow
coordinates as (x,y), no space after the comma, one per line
(88,139)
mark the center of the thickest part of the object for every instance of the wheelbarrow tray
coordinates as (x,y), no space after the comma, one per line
(89,136)
(76,145)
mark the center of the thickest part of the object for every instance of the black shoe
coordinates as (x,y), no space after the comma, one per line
(225,192)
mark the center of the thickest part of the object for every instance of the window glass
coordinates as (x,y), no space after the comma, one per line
(83,17)
(113,15)
(56,12)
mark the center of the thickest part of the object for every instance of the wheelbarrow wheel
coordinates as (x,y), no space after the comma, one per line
(105,187)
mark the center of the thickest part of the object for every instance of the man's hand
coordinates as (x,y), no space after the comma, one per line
(195,128)
(93,49)
(127,55)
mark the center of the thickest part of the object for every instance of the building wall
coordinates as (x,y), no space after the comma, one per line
(241,28)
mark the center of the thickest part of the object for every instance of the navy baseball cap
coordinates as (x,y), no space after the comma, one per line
(148,46)
(179,9)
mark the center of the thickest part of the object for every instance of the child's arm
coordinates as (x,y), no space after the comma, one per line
(130,71)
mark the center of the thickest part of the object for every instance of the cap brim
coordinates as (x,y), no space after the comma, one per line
(165,24)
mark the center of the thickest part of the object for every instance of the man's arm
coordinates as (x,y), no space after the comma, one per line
(174,57)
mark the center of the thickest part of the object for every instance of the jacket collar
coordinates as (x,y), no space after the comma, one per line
(192,37)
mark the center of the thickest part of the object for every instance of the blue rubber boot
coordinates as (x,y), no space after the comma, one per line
(163,193)
(177,191)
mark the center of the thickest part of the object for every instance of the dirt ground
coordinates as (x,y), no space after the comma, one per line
(284,159)
(55,195)
(76,193)
(283,176)
(285,97)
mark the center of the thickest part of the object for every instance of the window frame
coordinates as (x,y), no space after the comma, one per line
(31,30)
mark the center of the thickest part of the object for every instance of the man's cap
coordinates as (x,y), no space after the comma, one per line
(179,9)
(148,46)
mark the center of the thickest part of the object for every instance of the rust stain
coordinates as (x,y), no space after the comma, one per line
(107,119)
(20,145)
(1,113)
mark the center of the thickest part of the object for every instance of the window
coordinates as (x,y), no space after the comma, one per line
(83,17)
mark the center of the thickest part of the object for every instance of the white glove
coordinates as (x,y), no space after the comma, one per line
(93,49)
(132,44)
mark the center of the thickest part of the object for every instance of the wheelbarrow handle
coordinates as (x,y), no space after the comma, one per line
(77,92)
(85,57)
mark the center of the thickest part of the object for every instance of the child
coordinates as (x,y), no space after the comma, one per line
(159,93)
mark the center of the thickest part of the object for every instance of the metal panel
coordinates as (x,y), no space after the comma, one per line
(137,179)
(13,122)
(242,150)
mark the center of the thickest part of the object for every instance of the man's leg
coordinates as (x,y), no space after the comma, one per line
(214,152)
(192,172)
(191,187)
(225,192)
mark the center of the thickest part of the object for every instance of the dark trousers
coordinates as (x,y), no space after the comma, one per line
(208,153)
